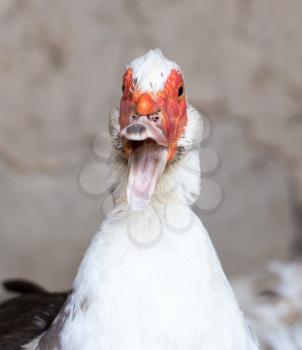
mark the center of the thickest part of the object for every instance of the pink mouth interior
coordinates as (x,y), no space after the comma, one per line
(147,163)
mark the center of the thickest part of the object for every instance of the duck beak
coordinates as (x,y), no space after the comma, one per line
(147,150)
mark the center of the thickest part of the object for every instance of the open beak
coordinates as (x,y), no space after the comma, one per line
(147,150)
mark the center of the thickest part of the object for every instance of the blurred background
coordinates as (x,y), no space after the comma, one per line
(61,64)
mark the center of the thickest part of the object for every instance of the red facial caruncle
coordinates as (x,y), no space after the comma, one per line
(168,105)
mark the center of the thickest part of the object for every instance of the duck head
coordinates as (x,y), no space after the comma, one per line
(151,121)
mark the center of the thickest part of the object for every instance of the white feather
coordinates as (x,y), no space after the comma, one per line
(168,295)
(151,70)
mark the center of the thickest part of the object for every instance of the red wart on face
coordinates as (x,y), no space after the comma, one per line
(173,105)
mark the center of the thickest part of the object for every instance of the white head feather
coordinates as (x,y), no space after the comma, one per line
(151,70)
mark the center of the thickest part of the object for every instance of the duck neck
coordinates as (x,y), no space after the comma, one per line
(180,181)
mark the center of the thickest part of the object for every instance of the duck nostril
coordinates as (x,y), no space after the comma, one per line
(134,117)
(136,129)
(155,119)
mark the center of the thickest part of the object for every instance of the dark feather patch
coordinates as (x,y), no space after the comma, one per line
(25,317)
(23,287)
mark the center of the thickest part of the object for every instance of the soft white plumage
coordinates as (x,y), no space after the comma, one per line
(151,280)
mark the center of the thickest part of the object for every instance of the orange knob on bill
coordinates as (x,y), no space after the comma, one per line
(145,105)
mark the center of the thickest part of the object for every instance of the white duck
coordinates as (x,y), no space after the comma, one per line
(151,279)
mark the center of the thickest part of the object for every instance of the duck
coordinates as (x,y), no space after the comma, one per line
(151,278)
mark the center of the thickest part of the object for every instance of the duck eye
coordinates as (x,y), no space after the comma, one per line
(180,91)
(123,87)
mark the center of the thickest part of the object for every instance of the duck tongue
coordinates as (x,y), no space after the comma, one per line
(147,164)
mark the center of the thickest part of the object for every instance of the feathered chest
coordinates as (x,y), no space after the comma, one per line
(168,294)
